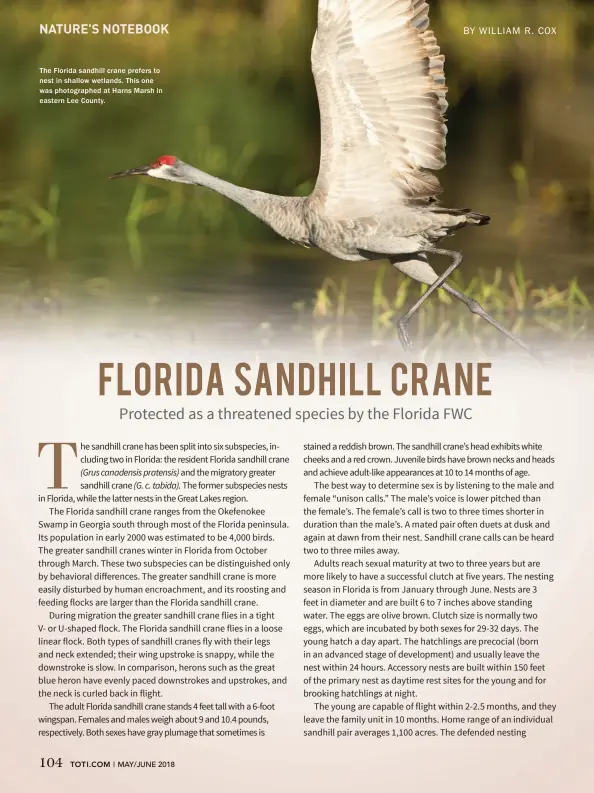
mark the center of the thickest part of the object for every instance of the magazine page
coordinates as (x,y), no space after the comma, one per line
(297,345)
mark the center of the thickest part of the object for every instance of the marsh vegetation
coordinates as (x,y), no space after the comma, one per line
(238,100)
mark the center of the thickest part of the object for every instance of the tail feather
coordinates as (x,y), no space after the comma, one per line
(477,218)
(467,216)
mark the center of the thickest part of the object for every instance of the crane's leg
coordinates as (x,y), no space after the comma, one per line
(476,308)
(471,304)
(404,322)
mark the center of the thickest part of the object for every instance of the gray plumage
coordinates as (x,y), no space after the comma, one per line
(381,89)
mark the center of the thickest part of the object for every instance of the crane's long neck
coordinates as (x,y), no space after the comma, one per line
(241,195)
(283,213)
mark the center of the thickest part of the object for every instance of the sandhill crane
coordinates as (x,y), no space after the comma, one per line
(381,90)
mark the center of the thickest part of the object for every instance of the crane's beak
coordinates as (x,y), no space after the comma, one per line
(142,171)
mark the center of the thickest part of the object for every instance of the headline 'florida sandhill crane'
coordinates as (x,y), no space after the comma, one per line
(381,90)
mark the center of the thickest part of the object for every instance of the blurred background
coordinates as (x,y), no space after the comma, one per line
(239,101)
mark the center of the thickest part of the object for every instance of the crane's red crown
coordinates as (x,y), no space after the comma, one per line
(166,159)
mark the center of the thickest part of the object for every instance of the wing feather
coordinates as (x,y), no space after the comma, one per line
(381,89)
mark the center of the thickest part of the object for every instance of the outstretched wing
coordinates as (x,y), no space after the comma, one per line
(381,89)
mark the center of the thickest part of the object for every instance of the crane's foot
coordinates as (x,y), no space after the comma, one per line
(402,329)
